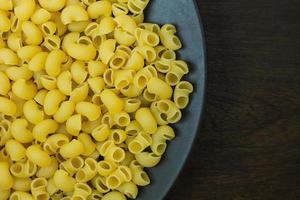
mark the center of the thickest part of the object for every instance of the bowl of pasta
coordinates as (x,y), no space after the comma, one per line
(99,99)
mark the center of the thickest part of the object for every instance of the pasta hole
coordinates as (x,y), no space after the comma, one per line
(122,84)
(132,132)
(101,184)
(118,155)
(97,40)
(152,39)
(80,175)
(135,147)
(116,137)
(125,173)
(150,56)
(60,143)
(90,29)
(169,55)
(160,149)
(52,43)
(91,163)
(46,30)
(113,181)
(16,168)
(39,183)
(124,121)
(163,107)
(96,196)
(83,187)
(172,78)
(104,165)
(175,118)
(176,41)
(163,116)
(142,81)
(77,163)
(182,101)
(145,177)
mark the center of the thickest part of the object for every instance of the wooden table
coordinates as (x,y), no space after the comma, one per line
(249,144)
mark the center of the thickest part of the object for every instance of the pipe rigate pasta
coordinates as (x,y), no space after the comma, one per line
(87,93)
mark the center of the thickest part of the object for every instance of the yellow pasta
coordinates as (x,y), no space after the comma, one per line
(88,90)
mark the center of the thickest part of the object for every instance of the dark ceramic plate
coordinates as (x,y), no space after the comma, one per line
(185,15)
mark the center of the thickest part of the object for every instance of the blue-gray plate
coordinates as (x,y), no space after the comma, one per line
(185,15)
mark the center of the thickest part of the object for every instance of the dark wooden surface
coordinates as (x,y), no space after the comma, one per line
(249,144)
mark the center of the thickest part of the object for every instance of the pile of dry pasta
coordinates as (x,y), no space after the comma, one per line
(87,93)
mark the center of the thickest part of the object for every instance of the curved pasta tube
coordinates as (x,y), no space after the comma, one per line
(163,134)
(159,88)
(119,9)
(7,106)
(96,84)
(132,91)
(81,51)
(22,184)
(123,78)
(73,13)
(41,131)
(51,42)
(48,172)
(48,28)
(39,157)
(5,85)
(111,152)
(139,143)
(20,131)
(37,62)
(126,23)
(132,105)
(147,159)
(32,34)
(72,149)
(105,167)
(100,8)
(24,89)
(135,62)
(65,111)
(112,102)
(181,94)
(89,110)
(54,61)
(48,82)
(101,132)
(120,175)
(106,50)
(55,142)
(80,93)
(106,25)
(63,181)
(145,118)
(26,53)
(74,124)
(88,171)
(15,150)
(5,22)
(114,195)
(8,57)
(89,145)
(15,41)
(24,9)
(40,16)
(78,71)
(53,5)
(52,101)
(81,191)
(23,170)
(7,178)
(129,189)
(40,96)
(51,188)
(72,165)
(64,83)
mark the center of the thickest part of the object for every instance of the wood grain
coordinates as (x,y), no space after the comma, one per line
(249,144)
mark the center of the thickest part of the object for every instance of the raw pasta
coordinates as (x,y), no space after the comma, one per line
(87,93)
